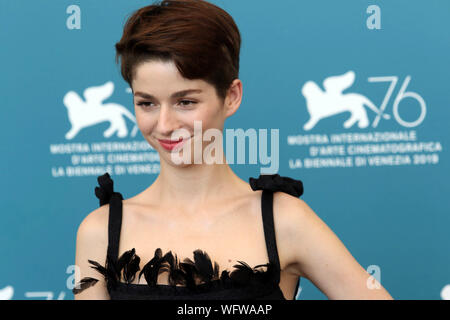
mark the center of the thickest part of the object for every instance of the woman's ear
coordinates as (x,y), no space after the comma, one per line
(233,98)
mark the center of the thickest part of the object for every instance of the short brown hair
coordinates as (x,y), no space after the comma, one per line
(199,37)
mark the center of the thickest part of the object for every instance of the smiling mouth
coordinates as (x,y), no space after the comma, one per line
(171,141)
(172,144)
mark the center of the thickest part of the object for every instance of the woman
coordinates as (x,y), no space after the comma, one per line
(234,240)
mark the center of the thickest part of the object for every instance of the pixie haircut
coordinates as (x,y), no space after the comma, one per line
(200,38)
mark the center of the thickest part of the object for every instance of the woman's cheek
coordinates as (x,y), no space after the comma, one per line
(145,127)
(142,122)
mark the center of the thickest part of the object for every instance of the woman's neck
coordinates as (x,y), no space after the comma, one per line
(196,186)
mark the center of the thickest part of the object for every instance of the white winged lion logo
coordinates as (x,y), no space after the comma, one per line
(87,113)
(322,104)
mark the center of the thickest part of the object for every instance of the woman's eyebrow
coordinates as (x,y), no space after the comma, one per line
(174,95)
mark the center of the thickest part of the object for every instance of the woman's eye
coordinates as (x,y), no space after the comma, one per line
(145,104)
(188,102)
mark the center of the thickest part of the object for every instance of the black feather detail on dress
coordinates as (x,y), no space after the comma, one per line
(129,262)
(187,273)
(84,284)
(176,274)
(153,268)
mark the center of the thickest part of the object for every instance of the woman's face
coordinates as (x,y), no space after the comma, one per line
(165,102)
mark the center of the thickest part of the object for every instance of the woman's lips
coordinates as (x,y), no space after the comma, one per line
(171,144)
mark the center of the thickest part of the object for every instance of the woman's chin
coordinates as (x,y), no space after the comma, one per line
(174,159)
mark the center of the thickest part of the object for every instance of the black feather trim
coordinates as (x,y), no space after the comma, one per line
(130,265)
(153,268)
(97,266)
(84,284)
(187,273)
(176,274)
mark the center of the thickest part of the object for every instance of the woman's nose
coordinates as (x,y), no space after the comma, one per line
(166,120)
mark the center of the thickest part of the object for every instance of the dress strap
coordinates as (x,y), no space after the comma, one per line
(270,183)
(105,193)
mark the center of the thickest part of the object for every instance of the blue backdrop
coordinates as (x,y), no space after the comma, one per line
(378,180)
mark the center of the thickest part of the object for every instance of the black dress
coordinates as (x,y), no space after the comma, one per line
(200,278)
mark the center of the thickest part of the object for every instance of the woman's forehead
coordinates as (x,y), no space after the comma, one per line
(154,78)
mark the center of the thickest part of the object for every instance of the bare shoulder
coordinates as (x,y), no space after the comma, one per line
(290,213)
(95,225)
(291,216)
